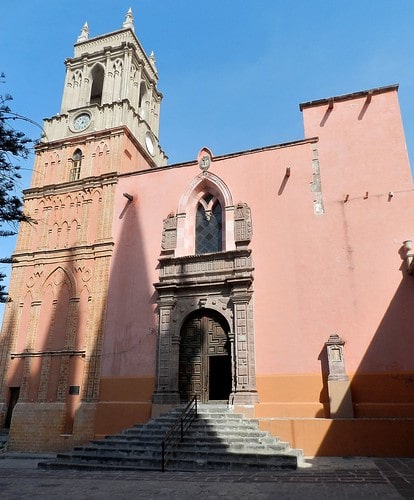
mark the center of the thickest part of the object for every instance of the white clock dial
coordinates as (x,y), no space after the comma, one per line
(81,122)
(149,143)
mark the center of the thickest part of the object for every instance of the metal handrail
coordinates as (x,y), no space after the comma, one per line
(177,431)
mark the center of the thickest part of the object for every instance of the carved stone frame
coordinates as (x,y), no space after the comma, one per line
(221,282)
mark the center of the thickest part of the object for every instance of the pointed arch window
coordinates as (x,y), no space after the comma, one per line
(208,227)
(76,165)
(98,74)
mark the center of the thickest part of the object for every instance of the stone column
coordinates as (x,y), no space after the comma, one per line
(125,84)
(104,229)
(85,88)
(168,356)
(339,389)
(87,204)
(95,329)
(138,93)
(108,80)
(245,392)
(31,339)
(70,335)
(150,118)
(8,337)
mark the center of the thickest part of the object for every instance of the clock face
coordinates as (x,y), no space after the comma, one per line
(149,143)
(81,122)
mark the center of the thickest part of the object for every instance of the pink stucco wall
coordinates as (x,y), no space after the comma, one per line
(329,215)
(315,274)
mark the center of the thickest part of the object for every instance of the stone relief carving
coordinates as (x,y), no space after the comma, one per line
(187,306)
(169,233)
(204,159)
(82,270)
(242,225)
(34,277)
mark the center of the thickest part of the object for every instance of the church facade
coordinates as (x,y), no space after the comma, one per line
(277,279)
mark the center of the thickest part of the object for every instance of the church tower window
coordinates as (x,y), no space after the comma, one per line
(98,74)
(143,104)
(208,227)
(76,165)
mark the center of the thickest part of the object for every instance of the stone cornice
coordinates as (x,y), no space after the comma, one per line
(62,255)
(206,270)
(108,121)
(205,257)
(70,187)
(347,97)
(191,163)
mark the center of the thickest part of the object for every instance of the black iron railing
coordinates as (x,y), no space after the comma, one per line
(177,431)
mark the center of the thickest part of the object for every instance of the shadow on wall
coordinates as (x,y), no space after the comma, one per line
(9,388)
(382,387)
(324,394)
(130,342)
(42,354)
(60,351)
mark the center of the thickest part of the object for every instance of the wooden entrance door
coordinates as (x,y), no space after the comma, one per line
(205,367)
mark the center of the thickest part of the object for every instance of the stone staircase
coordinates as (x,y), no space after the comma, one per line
(217,439)
(4,436)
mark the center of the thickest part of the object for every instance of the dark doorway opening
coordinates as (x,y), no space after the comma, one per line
(205,358)
(220,377)
(13,397)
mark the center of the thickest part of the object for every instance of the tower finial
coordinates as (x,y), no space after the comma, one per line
(129,20)
(153,60)
(84,35)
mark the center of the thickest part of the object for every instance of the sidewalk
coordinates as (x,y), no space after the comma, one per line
(317,478)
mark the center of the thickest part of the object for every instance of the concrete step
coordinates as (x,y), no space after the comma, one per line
(217,439)
(286,462)
(205,440)
(199,431)
(185,447)
(180,459)
(4,436)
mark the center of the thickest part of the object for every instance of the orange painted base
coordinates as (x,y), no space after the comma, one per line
(378,395)
(345,437)
(123,403)
(291,396)
(112,418)
(297,409)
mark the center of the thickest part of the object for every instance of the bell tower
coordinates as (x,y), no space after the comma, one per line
(110,83)
(54,324)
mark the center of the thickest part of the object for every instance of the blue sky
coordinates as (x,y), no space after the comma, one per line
(232,72)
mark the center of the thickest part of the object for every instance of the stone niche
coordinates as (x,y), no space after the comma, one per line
(340,398)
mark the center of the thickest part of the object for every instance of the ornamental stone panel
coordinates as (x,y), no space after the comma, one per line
(220,282)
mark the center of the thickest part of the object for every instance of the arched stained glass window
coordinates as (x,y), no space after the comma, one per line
(208,229)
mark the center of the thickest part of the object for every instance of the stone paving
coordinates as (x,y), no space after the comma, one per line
(317,478)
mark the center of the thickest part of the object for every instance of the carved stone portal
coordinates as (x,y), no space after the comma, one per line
(208,285)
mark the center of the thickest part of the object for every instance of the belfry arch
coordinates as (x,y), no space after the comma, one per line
(97,77)
(214,290)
